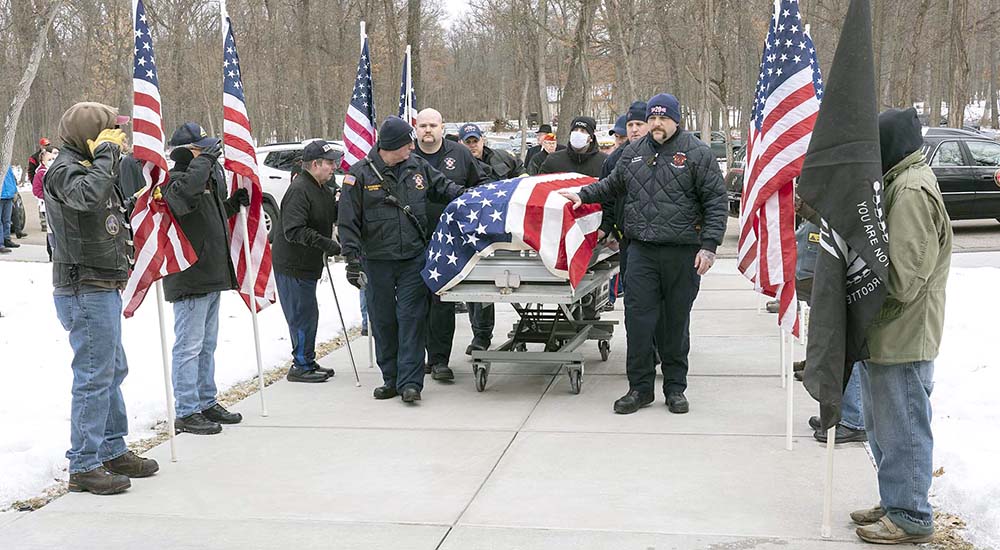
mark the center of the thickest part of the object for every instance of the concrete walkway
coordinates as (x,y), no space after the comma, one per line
(525,464)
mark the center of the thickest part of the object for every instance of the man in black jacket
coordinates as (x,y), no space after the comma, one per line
(675,217)
(383,220)
(582,156)
(90,264)
(196,196)
(299,251)
(537,148)
(458,165)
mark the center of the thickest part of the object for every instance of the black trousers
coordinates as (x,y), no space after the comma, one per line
(482,316)
(440,330)
(662,282)
(397,308)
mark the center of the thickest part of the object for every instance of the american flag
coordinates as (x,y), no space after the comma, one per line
(256,281)
(789,89)
(359,124)
(161,247)
(407,109)
(516,214)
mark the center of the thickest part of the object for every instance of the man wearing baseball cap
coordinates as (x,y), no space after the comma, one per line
(301,245)
(619,132)
(675,214)
(543,129)
(383,220)
(196,196)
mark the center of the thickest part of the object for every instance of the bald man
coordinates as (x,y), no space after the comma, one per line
(458,165)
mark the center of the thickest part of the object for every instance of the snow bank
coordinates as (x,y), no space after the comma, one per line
(36,376)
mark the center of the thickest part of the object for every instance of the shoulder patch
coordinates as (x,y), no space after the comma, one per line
(349,179)
(813,237)
(86,163)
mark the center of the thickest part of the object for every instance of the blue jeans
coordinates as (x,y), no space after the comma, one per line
(298,303)
(6,211)
(98,422)
(196,332)
(897,408)
(851,409)
(364,309)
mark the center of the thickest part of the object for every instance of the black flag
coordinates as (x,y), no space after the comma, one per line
(842,180)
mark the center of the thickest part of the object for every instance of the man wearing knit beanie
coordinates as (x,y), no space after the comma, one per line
(675,213)
(382,221)
(582,155)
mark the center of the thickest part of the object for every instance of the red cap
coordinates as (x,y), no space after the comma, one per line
(44,142)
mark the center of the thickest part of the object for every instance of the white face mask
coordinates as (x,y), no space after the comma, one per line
(578,140)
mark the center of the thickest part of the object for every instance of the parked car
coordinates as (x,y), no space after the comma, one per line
(966,163)
(718,144)
(734,182)
(275,162)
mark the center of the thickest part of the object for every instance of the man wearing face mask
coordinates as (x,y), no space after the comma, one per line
(458,165)
(299,252)
(196,196)
(675,216)
(582,156)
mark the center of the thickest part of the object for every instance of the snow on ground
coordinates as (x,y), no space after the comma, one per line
(36,377)
(966,401)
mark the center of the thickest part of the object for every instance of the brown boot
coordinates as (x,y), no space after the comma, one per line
(132,465)
(98,481)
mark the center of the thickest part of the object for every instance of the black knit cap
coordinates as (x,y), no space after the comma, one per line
(636,111)
(585,122)
(394,134)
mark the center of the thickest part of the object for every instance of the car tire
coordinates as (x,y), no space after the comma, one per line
(272,218)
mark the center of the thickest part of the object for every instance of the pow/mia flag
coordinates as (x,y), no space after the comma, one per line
(842,180)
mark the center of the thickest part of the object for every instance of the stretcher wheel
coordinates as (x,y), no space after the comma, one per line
(575,380)
(605,348)
(480,374)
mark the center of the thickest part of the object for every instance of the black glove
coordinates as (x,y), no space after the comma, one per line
(331,247)
(214,150)
(355,276)
(241,196)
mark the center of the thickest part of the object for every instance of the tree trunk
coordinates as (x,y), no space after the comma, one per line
(994,83)
(24,89)
(544,115)
(959,65)
(616,28)
(413,39)
(576,93)
(705,118)
(312,123)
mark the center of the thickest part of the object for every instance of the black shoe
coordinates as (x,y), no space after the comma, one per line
(197,424)
(608,307)
(322,370)
(442,372)
(460,307)
(98,481)
(11,244)
(798,375)
(814,423)
(364,331)
(799,366)
(21,235)
(384,392)
(5,250)
(844,435)
(411,394)
(132,465)
(677,403)
(632,401)
(299,374)
(427,368)
(218,413)
(477,345)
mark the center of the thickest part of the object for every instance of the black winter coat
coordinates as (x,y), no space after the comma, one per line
(196,196)
(587,163)
(457,164)
(374,228)
(308,214)
(500,165)
(613,219)
(673,192)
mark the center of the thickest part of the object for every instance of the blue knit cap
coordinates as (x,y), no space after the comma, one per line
(637,111)
(664,105)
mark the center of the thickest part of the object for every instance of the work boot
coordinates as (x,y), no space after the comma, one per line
(132,465)
(884,531)
(799,366)
(411,394)
(477,345)
(309,376)
(632,401)
(218,413)
(868,516)
(677,403)
(814,423)
(328,372)
(844,435)
(11,244)
(384,392)
(441,372)
(197,424)
(98,481)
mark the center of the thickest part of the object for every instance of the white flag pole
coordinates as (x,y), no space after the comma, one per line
(167,384)
(781,354)
(831,437)
(789,396)
(253,312)
(409,85)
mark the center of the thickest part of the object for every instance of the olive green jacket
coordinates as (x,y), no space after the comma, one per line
(909,325)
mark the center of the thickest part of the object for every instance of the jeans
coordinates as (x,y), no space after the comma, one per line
(364,309)
(196,331)
(6,210)
(298,303)
(397,305)
(897,409)
(851,410)
(98,422)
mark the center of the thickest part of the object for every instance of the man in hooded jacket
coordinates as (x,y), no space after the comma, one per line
(582,155)
(90,265)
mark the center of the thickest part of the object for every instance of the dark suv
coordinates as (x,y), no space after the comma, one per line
(966,163)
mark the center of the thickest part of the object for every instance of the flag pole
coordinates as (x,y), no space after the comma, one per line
(167,385)
(409,85)
(781,354)
(831,437)
(253,312)
(790,388)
